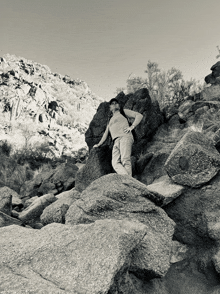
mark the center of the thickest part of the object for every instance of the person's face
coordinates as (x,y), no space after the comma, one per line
(114,106)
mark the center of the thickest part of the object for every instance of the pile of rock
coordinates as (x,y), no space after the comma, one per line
(100,232)
(113,237)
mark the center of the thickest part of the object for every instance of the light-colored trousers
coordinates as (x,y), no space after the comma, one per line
(121,155)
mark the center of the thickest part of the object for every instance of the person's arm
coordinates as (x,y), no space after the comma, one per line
(104,137)
(137,118)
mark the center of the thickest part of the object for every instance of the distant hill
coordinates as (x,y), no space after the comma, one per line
(28,88)
(36,102)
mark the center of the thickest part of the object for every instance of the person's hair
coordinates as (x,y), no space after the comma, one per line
(112,100)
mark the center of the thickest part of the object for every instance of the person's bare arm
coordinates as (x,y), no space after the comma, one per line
(137,119)
(104,137)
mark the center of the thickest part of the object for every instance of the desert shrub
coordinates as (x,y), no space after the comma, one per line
(21,166)
(13,175)
(35,157)
(167,87)
(5,148)
(45,167)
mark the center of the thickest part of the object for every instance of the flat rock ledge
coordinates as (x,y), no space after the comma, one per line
(166,189)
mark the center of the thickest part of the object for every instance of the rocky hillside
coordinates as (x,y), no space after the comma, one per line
(85,229)
(33,95)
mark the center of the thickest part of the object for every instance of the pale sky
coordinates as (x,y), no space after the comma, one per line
(104,41)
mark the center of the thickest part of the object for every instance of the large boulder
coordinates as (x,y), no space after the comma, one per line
(34,211)
(196,214)
(194,161)
(98,164)
(55,212)
(98,125)
(187,276)
(114,195)
(122,197)
(191,111)
(141,102)
(93,258)
(162,144)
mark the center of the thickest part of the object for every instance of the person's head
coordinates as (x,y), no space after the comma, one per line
(114,105)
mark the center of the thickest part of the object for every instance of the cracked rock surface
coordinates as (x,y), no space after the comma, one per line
(69,259)
(194,161)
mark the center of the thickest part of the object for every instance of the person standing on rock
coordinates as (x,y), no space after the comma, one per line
(122,137)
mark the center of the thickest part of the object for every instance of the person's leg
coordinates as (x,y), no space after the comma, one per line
(125,151)
(116,159)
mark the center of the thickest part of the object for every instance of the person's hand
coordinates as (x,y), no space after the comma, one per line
(129,129)
(96,146)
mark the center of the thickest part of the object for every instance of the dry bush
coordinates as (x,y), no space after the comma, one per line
(167,87)
(12,174)
(19,166)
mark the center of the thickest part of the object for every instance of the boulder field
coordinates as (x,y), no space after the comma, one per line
(89,230)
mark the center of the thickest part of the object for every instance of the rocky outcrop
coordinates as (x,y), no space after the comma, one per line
(32,86)
(116,196)
(97,125)
(214,77)
(57,109)
(116,237)
(196,214)
(187,276)
(141,102)
(92,258)
(194,161)
(97,165)
(159,148)
(121,197)
(55,212)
